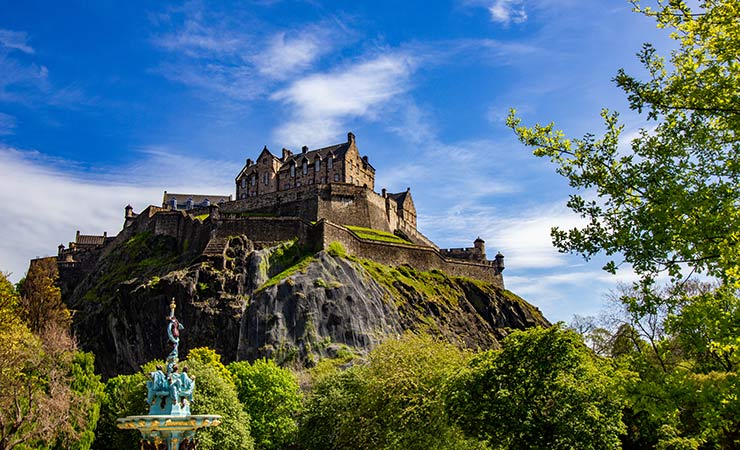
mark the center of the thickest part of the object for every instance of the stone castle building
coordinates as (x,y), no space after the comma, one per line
(317,197)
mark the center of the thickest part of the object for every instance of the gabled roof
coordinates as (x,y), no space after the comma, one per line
(400,197)
(338,150)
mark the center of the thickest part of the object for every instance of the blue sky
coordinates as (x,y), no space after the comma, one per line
(108,103)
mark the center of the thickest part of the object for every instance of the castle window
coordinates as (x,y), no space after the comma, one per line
(330,162)
(336,177)
(305,167)
(254,179)
(264,178)
(292,170)
(244,183)
(318,165)
(323,180)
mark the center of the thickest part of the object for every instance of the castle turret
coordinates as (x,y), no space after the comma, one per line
(129,211)
(499,262)
(480,249)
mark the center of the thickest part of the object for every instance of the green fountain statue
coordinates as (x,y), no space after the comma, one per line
(169,424)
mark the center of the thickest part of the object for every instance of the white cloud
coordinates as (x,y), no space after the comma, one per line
(286,55)
(320,103)
(15,40)
(507,11)
(46,201)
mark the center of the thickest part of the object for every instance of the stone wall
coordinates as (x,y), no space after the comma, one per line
(419,257)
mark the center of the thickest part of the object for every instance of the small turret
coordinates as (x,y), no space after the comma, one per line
(480,249)
(350,138)
(129,211)
(499,262)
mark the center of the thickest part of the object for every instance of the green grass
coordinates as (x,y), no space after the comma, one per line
(285,260)
(376,235)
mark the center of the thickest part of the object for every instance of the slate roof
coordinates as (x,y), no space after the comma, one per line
(399,197)
(88,239)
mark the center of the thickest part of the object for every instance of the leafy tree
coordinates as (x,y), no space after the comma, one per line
(544,389)
(394,402)
(41,299)
(215,395)
(671,201)
(124,395)
(272,399)
(48,396)
(209,357)
(670,204)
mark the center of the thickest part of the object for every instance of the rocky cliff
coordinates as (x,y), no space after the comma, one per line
(284,302)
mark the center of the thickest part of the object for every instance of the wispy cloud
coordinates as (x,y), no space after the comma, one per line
(15,40)
(507,11)
(60,197)
(504,12)
(287,54)
(212,53)
(321,102)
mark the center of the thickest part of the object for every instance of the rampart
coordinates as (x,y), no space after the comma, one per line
(419,257)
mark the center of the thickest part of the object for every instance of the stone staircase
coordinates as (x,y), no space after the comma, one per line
(216,247)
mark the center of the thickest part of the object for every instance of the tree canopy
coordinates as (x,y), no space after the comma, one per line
(672,201)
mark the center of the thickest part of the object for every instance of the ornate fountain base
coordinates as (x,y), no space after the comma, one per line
(168,432)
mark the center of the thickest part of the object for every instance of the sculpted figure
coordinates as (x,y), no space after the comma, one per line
(187,385)
(157,385)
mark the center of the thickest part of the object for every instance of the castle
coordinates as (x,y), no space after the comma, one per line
(315,197)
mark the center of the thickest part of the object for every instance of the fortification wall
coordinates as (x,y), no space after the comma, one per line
(419,257)
(264,231)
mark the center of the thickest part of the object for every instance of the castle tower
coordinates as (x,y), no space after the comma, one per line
(480,249)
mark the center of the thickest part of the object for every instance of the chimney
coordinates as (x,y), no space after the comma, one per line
(249,162)
(286,154)
(105,234)
(364,158)
(130,210)
(304,149)
(77,237)
(350,138)
(383,192)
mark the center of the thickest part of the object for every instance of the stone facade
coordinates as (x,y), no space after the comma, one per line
(340,163)
(312,197)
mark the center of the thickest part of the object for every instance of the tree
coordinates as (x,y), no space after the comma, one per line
(124,395)
(215,395)
(672,201)
(544,389)
(395,401)
(41,298)
(670,204)
(272,399)
(49,393)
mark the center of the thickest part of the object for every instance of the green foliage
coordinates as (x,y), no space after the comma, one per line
(210,358)
(143,257)
(669,204)
(215,394)
(394,402)
(672,199)
(337,250)
(376,235)
(271,397)
(544,389)
(285,260)
(124,395)
(41,299)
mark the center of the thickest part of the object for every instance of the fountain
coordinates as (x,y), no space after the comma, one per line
(169,424)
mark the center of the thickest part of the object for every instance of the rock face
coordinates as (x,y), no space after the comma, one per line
(280,303)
